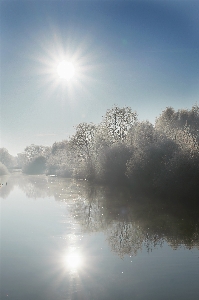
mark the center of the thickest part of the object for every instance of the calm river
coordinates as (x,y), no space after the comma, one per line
(67,240)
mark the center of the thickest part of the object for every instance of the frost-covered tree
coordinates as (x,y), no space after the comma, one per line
(6,158)
(59,161)
(36,166)
(170,121)
(32,156)
(111,143)
(141,134)
(83,146)
(118,121)
(33,151)
(21,160)
(148,164)
(3,169)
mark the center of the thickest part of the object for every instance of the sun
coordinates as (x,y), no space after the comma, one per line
(65,70)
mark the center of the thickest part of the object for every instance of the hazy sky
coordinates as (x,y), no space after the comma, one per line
(142,54)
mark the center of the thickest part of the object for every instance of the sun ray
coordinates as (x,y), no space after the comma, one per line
(67,66)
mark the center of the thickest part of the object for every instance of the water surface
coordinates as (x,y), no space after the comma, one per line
(65,239)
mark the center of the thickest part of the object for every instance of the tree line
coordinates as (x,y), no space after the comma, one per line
(162,158)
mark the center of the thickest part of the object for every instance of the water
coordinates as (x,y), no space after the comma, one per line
(65,239)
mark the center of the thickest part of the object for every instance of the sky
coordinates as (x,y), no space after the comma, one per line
(143,54)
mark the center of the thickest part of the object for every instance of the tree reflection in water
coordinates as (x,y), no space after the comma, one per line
(131,223)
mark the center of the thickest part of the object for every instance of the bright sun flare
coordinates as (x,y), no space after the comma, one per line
(65,70)
(74,261)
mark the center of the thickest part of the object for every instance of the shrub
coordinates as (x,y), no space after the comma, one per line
(146,167)
(112,163)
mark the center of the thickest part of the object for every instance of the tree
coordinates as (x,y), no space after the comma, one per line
(118,121)
(33,151)
(6,158)
(141,135)
(82,144)
(59,160)
(36,166)
(21,160)
(31,156)
(170,121)
(3,169)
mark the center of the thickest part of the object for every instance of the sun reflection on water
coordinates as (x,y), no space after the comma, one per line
(74,261)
